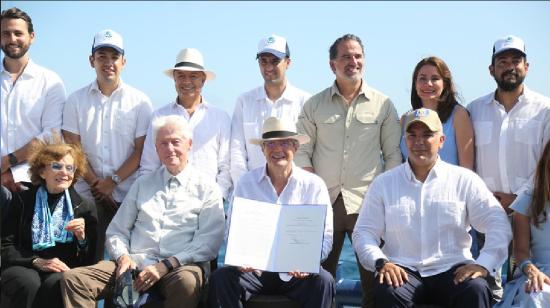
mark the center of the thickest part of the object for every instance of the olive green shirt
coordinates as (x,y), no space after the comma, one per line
(350,145)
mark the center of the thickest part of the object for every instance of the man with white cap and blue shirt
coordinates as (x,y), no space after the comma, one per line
(275,98)
(109,119)
(211,125)
(511,124)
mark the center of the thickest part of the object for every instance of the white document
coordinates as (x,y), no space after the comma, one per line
(275,238)
(20,173)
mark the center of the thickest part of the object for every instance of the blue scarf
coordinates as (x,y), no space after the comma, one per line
(47,228)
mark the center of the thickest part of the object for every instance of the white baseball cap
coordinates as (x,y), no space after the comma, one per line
(275,45)
(507,43)
(108,38)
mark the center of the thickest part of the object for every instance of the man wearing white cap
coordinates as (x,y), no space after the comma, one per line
(511,124)
(109,119)
(355,134)
(211,125)
(32,98)
(275,98)
(423,210)
(278,181)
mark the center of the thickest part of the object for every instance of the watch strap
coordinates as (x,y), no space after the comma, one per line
(12,159)
(168,264)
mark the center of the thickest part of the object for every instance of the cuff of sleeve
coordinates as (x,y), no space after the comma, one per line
(488,262)
(184,258)
(371,260)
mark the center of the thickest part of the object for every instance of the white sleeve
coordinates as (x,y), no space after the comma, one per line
(149,158)
(223,178)
(238,143)
(369,227)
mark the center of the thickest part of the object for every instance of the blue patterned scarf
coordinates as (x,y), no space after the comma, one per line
(47,228)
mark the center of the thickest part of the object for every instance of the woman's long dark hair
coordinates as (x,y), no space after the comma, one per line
(448,99)
(541,192)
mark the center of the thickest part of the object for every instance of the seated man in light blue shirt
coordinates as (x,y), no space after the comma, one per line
(423,210)
(169,226)
(278,182)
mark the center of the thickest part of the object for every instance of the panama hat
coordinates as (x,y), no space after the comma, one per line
(190,59)
(276,129)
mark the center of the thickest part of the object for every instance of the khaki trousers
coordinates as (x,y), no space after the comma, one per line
(344,224)
(83,286)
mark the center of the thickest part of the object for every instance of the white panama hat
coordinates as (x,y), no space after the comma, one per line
(190,59)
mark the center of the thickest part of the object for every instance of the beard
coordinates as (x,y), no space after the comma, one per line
(509,86)
(15,54)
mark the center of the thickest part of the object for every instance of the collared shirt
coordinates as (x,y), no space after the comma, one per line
(349,145)
(31,107)
(251,110)
(509,144)
(155,222)
(425,225)
(108,127)
(303,187)
(210,150)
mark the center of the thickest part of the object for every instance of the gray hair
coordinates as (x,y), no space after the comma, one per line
(172,120)
(333,50)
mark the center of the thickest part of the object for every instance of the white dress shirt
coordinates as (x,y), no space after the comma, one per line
(425,225)
(303,187)
(210,149)
(251,110)
(509,145)
(156,221)
(31,107)
(108,127)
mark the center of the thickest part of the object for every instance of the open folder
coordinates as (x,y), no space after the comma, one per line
(274,237)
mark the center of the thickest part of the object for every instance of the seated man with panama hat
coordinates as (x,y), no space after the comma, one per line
(279,181)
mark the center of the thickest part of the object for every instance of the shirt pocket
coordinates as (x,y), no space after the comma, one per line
(369,125)
(527,131)
(125,124)
(398,217)
(450,214)
(483,132)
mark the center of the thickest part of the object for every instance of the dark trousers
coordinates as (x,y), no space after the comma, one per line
(435,290)
(343,224)
(104,216)
(230,288)
(27,287)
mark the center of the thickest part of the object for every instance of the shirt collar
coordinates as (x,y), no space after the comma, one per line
(521,98)
(262,176)
(31,70)
(94,87)
(287,96)
(434,172)
(182,177)
(204,104)
(364,90)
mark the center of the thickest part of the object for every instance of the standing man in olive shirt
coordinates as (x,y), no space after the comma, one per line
(355,134)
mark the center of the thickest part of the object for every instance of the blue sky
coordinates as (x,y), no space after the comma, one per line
(396,36)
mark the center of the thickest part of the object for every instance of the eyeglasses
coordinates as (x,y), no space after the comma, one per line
(58,167)
(285,144)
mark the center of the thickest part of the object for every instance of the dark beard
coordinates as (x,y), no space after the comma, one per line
(508,86)
(15,55)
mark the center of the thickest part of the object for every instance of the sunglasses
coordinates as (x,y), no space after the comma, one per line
(58,167)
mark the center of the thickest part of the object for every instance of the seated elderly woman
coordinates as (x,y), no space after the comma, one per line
(49,229)
(531,226)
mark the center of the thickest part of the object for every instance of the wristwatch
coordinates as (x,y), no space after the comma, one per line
(168,264)
(12,159)
(116,179)
(379,264)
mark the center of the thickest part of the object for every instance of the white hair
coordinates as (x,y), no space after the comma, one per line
(172,120)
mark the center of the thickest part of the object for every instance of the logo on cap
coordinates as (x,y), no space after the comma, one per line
(270,40)
(108,34)
(421,113)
